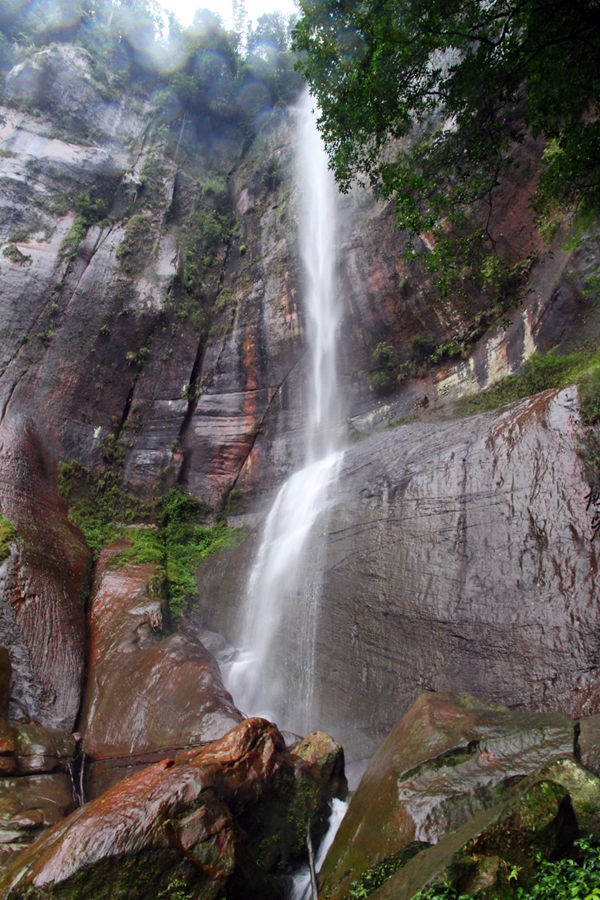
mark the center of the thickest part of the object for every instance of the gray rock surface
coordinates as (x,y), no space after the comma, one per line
(454,555)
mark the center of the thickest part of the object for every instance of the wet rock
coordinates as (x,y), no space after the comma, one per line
(454,555)
(226,819)
(42,584)
(29,806)
(448,759)
(40,749)
(5,671)
(320,750)
(540,816)
(148,695)
(589,743)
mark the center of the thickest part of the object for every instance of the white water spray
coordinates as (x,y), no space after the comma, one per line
(274,675)
(301,881)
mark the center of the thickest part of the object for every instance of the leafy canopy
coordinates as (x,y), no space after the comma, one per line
(430,100)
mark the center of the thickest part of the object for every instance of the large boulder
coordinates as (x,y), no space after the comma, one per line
(149,694)
(227,819)
(499,849)
(450,758)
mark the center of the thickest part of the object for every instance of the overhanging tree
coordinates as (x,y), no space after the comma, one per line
(430,100)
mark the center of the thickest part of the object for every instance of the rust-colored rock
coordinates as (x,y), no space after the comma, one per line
(226,819)
(449,758)
(148,695)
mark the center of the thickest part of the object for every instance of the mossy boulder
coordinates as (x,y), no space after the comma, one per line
(229,819)
(499,850)
(450,758)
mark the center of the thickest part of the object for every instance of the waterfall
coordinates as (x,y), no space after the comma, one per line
(273,675)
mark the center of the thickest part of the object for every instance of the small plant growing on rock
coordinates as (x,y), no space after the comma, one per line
(7,536)
(576,878)
(13,253)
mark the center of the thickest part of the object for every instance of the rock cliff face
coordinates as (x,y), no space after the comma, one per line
(455,555)
(152,324)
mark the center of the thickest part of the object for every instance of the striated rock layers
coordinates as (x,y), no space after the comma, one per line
(151,320)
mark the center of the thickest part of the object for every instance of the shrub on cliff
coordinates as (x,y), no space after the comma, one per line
(168,529)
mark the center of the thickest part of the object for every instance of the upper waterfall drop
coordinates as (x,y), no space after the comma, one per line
(274,676)
(317,234)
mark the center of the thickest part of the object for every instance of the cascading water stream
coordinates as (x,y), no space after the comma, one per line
(271,677)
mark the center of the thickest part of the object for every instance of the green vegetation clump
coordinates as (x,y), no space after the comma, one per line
(13,253)
(374,877)
(436,103)
(542,373)
(89,211)
(133,249)
(563,879)
(201,237)
(152,177)
(165,530)
(7,535)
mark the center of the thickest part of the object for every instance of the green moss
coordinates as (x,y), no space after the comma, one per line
(375,876)
(542,373)
(90,210)
(153,177)
(166,530)
(451,759)
(200,238)
(12,252)
(7,536)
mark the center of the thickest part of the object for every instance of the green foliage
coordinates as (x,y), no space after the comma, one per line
(7,536)
(374,877)
(152,177)
(72,239)
(271,177)
(187,543)
(12,252)
(564,879)
(175,890)
(201,237)
(432,100)
(540,373)
(384,379)
(166,530)
(589,395)
(99,506)
(133,250)
(90,210)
